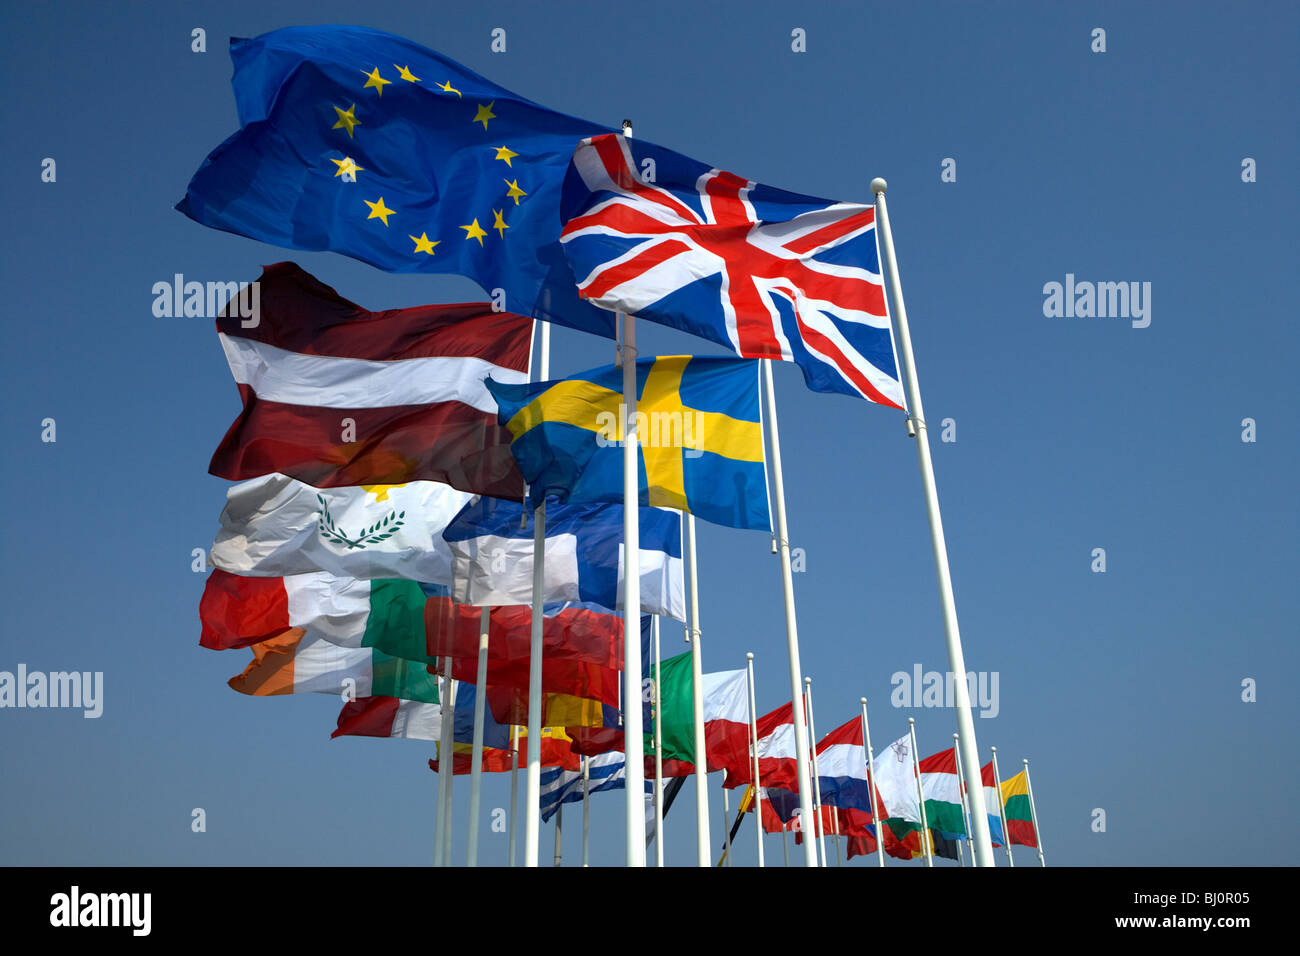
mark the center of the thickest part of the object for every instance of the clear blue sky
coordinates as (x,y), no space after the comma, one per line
(1123,688)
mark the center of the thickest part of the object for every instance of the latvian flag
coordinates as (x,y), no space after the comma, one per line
(335,395)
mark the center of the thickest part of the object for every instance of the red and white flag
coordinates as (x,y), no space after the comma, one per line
(335,395)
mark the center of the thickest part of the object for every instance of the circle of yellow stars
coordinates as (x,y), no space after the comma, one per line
(347,167)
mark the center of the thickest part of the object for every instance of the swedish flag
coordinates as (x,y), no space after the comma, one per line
(698,428)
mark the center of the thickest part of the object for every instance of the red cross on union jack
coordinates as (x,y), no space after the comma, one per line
(757,263)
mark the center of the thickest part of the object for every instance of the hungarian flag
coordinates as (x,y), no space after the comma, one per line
(335,395)
(1021,829)
(941,788)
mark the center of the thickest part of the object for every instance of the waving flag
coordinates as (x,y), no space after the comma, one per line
(778,766)
(767,273)
(726,714)
(991,800)
(296,664)
(842,769)
(389,717)
(700,440)
(1020,818)
(366,144)
(492,556)
(335,395)
(275,525)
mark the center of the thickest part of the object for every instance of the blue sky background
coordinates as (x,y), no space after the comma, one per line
(1123,688)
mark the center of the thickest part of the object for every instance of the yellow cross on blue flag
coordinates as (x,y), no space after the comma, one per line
(699,434)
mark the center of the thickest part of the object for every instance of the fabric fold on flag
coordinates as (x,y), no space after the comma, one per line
(491,546)
(389,717)
(294,664)
(334,395)
(765,272)
(367,144)
(275,525)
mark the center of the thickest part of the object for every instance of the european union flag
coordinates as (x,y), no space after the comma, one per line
(364,143)
(698,427)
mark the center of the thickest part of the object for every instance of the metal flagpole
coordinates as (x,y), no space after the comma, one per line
(920,796)
(586,815)
(533,788)
(449,735)
(753,742)
(871,782)
(476,757)
(980,840)
(1038,834)
(726,828)
(633,745)
(785,845)
(819,827)
(559,826)
(1002,816)
(447,714)
(791,627)
(835,830)
(697,698)
(961,788)
(659,752)
(514,790)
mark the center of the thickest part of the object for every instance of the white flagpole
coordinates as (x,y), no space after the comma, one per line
(476,756)
(559,825)
(785,845)
(659,753)
(533,777)
(726,828)
(819,827)
(871,783)
(697,700)
(961,789)
(633,746)
(920,795)
(586,814)
(1002,816)
(980,840)
(514,789)
(791,627)
(448,769)
(835,831)
(445,744)
(1038,834)
(753,742)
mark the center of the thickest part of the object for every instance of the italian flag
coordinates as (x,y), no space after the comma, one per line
(726,714)
(1015,806)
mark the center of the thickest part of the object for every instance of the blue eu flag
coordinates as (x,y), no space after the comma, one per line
(367,144)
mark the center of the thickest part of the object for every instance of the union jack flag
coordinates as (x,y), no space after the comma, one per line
(767,273)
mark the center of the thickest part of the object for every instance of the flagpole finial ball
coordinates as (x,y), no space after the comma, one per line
(863,699)
(911,720)
(807,680)
(749,656)
(878,186)
(994,749)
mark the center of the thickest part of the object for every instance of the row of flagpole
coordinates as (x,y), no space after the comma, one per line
(808,784)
